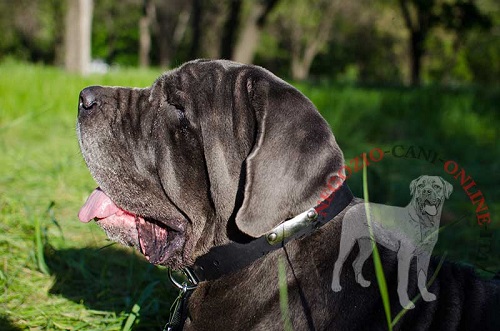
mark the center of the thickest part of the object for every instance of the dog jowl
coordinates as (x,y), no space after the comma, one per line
(411,231)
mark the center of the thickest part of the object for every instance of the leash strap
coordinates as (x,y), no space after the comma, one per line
(178,311)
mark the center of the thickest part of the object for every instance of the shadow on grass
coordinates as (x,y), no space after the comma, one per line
(112,279)
(6,325)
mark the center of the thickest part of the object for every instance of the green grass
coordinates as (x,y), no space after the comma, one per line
(458,124)
(283,290)
(56,273)
(59,274)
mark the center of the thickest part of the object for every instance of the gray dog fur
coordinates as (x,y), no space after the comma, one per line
(214,148)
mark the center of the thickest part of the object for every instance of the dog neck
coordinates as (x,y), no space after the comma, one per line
(231,257)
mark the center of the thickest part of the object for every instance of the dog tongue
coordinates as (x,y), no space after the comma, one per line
(98,205)
(430,209)
(152,237)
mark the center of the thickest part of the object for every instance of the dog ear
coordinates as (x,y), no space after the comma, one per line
(413,185)
(448,188)
(293,156)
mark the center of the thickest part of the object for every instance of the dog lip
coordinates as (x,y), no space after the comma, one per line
(156,240)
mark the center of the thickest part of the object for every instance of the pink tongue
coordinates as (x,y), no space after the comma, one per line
(98,205)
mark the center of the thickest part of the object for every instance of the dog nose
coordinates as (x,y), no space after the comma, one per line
(88,98)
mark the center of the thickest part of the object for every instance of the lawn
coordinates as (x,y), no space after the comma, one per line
(91,285)
(73,279)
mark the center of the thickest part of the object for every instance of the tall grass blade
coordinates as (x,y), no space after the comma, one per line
(136,308)
(40,257)
(132,317)
(285,313)
(379,272)
(50,211)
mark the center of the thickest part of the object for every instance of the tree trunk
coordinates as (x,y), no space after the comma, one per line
(304,50)
(418,26)
(416,53)
(250,36)
(229,31)
(301,65)
(78,36)
(196,26)
(145,33)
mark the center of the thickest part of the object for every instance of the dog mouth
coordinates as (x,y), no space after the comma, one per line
(431,208)
(155,240)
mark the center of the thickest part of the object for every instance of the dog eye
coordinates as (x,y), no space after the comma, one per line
(181,114)
(421,185)
(436,187)
(179,107)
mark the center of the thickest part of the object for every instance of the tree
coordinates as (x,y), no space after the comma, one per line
(249,38)
(207,24)
(148,15)
(230,29)
(421,16)
(78,36)
(169,26)
(306,28)
(32,30)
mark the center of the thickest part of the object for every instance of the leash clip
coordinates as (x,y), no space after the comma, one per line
(179,309)
(191,278)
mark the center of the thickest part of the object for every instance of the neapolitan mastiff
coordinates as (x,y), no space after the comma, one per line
(410,231)
(203,168)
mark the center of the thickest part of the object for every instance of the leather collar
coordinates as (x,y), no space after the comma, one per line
(231,257)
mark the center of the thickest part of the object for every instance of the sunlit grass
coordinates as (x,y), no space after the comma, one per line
(48,280)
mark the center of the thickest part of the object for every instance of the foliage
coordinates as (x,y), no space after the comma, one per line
(366,41)
(422,16)
(31,29)
(115,35)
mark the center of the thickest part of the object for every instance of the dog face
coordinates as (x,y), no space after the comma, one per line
(429,192)
(211,151)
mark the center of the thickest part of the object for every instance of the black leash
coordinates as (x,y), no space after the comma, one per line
(303,300)
(226,259)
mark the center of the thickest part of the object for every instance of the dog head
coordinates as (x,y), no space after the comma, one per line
(212,151)
(429,193)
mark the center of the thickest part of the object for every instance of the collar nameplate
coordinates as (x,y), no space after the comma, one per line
(292,227)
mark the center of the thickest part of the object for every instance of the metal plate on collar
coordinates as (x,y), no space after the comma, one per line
(291,227)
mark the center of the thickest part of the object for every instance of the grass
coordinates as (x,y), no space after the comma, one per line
(59,274)
(283,290)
